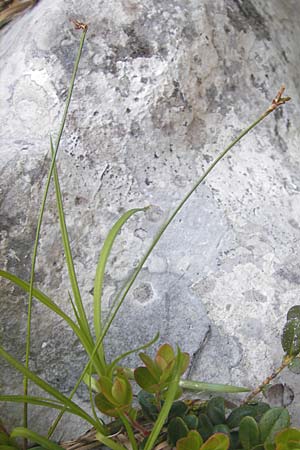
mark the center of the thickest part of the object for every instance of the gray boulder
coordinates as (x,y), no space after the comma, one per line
(162,87)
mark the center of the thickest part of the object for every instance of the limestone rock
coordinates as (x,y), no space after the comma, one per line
(163,86)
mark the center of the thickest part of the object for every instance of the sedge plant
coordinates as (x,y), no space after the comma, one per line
(110,384)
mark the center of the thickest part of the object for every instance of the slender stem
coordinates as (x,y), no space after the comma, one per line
(129,431)
(38,229)
(138,426)
(285,363)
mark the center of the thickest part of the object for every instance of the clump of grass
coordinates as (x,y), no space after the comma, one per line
(109,383)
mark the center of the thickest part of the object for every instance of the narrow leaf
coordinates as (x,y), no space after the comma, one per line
(200,386)
(35,437)
(68,255)
(75,409)
(105,252)
(112,365)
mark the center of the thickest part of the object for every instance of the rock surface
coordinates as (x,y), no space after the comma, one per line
(162,87)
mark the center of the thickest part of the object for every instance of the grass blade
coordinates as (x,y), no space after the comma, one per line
(39,401)
(40,218)
(100,271)
(199,386)
(51,305)
(35,437)
(83,324)
(73,408)
(109,442)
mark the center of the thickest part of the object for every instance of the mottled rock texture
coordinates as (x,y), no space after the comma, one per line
(163,85)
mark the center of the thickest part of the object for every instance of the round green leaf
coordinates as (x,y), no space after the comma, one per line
(205,427)
(165,354)
(148,405)
(294,312)
(105,406)
(192,441)
(177,429)
(145,380)
(248,433)
(290,338)
(215,410)
(218,441)
(273,421)
(191,421)
(222,428)
(178,409)
(121,391)
(237,414)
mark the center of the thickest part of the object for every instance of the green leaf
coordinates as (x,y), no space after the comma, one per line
(221,428)
(178,409)
(290,338)
(167,372)
(177,429)
(148,405)
(205,427)
(294,366)
(185,362)
(165,354)
(249,433)
(218,441)
(154,370)
(109,442)
(105,406)
(6,440)
(105,252)
(45,300)
(145,380)
(199,386)
(8,447)
(215,410)
(35,437)
(73,408)
(294,312)
(83,324)
(288,439)
(106,385)
(192,441)
(169,399)
(237,414)
(273,421)
(121,391)
(91,381)
(234,440)
(191,421)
